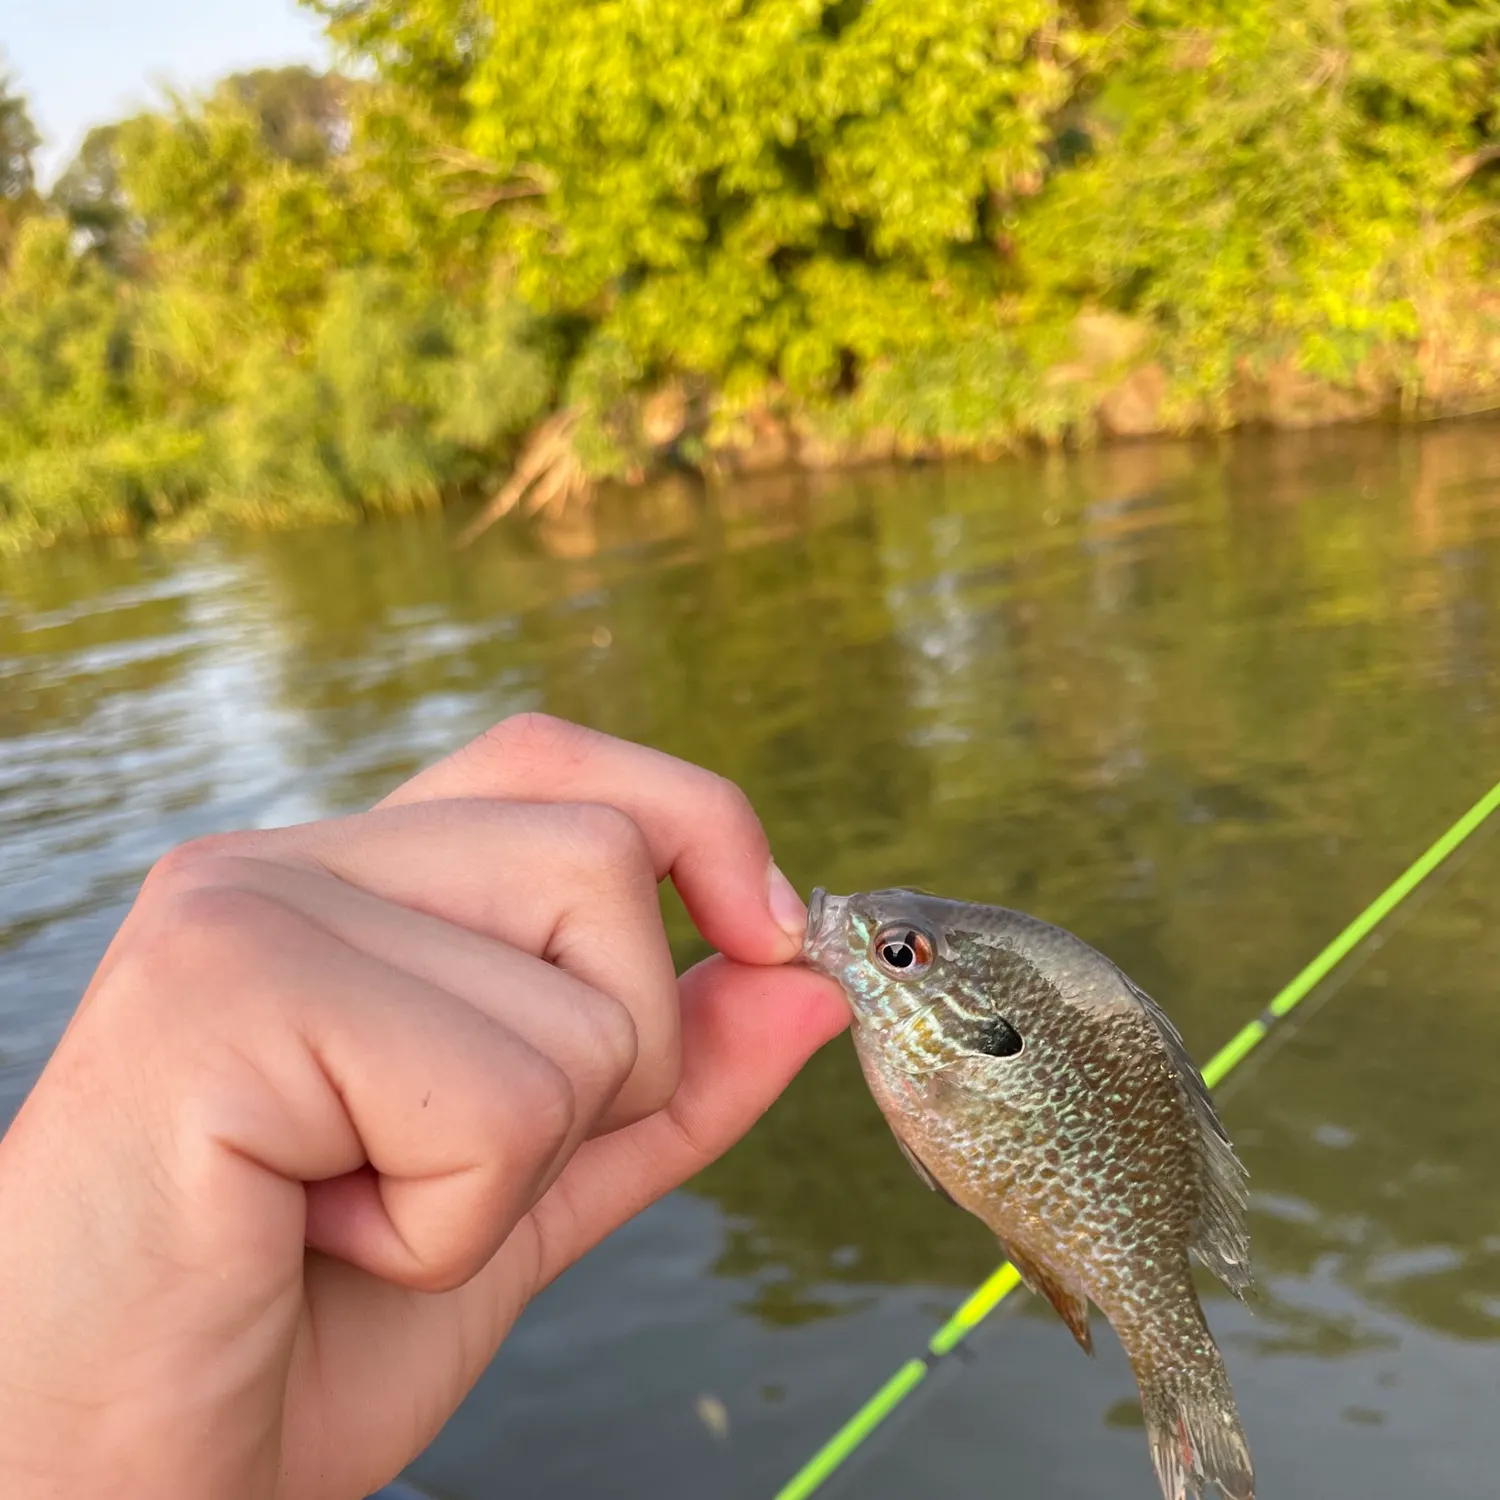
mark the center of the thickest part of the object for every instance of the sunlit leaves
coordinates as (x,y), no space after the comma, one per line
(893,223)
(731,180)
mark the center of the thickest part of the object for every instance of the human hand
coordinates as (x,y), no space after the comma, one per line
(341,1098)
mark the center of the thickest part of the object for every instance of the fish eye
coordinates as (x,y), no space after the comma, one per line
(902,950)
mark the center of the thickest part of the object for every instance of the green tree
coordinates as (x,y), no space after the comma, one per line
(18,143)
(258,305)
(238,197)
(90,196)
(861,226)
(402,398)
(1269,178)
(427,48)
(303,115)
(95,428)
(787,190)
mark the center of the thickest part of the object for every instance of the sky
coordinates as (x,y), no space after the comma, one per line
(84,62)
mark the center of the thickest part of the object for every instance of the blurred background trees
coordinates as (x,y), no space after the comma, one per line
(742,232)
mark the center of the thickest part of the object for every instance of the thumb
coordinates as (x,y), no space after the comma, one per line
(747,1031)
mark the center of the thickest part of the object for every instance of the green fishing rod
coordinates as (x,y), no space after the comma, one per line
(1005,1279)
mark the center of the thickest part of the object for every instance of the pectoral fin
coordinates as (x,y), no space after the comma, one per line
(921,1171)
(1072,1307)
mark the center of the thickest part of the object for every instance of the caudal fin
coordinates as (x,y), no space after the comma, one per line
(1194,1430)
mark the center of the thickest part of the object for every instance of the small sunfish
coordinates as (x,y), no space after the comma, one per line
(1032,1083)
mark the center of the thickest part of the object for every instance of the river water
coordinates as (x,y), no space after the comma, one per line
(1197,702)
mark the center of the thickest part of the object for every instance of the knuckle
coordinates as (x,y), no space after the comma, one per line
(188,864)
(192,941)
(726,802)
(538,1110)
(429,1275)
(509,1120)
(606,838)
(535,737)
(656,1092)
(446,1271)
(219,921)
(443,1260)
(656,1085)
(444,1264)
(611,1039)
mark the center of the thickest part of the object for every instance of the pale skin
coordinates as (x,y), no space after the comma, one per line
(341,1098)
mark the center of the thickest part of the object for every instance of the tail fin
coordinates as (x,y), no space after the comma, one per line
(1194,1430)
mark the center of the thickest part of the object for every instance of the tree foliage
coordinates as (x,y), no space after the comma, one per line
(879,227)
(257,304)
(18,143)
(743,191)
(1278,178)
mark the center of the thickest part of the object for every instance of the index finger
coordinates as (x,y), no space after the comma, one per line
(699,826)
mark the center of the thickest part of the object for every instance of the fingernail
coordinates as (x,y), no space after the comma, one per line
(786,905)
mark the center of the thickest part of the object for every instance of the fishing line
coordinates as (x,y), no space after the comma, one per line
(986,1297)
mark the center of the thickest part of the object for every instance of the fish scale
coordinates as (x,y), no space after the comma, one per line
(1088,1143)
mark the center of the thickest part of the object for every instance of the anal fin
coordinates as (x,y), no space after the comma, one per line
(1072,1307)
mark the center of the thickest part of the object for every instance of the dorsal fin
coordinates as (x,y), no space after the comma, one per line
(1221,1238)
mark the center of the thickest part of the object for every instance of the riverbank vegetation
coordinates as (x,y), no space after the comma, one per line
(510,251)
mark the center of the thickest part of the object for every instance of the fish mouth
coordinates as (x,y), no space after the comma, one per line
(822,945)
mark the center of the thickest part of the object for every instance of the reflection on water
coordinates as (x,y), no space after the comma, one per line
(1196,702)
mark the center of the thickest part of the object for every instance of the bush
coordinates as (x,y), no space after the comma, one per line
(254,309)
(399,398)
(748,192)
(876,226)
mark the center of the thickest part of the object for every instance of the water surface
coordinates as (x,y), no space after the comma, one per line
(1198,703)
